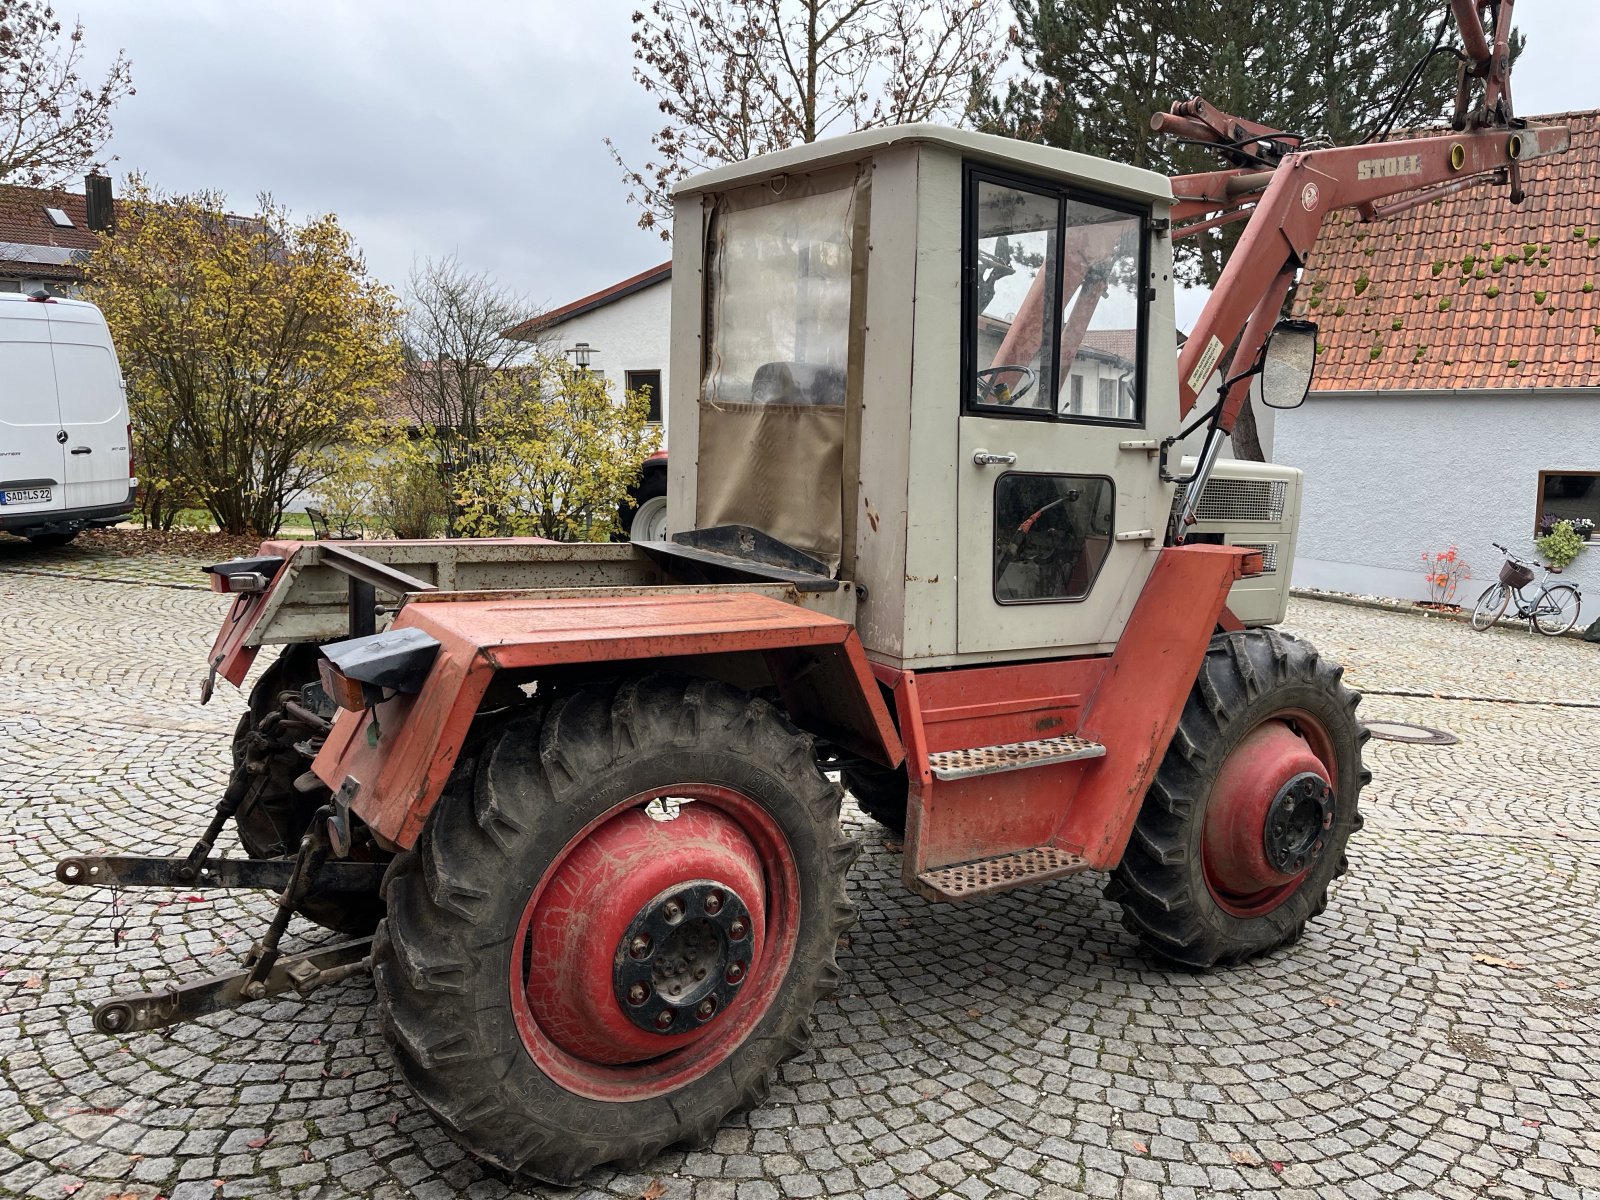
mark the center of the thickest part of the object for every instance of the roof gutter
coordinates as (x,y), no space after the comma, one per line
(1477,393)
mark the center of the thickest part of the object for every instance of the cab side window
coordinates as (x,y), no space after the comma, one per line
(1054,307)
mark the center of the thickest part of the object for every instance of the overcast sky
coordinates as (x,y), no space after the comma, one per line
(474,127)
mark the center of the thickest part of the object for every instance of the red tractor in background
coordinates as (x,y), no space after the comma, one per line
(934,540)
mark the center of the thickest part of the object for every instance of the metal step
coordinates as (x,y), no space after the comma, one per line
(1011,756)
(985,876)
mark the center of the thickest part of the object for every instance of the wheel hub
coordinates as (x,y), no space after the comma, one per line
(1266,817)
(1297,818)
(682,959)
(646,934)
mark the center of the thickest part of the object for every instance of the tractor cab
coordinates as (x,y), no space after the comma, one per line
(938,363)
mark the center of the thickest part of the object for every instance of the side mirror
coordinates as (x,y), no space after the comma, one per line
(1287,364)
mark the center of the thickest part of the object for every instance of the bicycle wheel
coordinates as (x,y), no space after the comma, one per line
(1557,610)
(1490,605)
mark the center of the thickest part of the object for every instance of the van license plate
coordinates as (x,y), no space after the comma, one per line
(24,495)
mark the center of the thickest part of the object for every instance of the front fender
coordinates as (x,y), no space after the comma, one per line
(400,755)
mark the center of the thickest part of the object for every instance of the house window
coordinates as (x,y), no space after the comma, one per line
(650,383)
(1051,297)
(1567,496)
(10,285)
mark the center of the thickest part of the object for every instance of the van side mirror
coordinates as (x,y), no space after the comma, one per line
(1288,363)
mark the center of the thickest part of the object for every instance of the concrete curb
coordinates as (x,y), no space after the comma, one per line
(1411,610)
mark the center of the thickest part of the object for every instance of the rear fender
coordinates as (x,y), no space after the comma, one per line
(395,760)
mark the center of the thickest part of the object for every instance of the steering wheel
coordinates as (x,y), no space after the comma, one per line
(991,390)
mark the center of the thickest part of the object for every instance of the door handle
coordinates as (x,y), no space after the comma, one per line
(983,458)
(82,450)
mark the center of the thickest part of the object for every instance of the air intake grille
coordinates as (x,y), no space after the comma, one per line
(1242,500)
(1269,555)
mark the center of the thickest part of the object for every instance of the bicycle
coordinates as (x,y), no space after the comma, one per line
(1552,612)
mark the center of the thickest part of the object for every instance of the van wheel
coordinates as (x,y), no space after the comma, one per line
(47,540)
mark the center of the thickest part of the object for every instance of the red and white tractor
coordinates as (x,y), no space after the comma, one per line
(577,806)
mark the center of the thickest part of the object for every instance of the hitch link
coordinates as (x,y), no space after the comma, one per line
(314,849)
(300,973)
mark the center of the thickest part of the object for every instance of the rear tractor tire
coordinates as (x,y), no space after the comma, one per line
(1245,826)
(272,814)
(614,925)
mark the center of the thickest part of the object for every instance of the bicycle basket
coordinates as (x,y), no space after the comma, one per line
(1515,575)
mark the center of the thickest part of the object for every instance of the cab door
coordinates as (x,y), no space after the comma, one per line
(31,452)
(1059,520)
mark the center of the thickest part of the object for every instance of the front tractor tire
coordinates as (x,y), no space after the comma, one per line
(614,925)
(1245,826)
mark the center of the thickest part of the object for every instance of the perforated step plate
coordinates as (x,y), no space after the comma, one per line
(986,876)
(1011,756)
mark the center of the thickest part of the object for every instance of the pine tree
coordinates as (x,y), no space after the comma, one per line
(1096,70)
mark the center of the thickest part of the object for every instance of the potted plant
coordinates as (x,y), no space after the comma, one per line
(1583,527)
(1560,546)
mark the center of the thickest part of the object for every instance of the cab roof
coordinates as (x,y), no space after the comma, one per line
(1068,165)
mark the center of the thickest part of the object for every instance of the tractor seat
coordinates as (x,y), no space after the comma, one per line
(796,384)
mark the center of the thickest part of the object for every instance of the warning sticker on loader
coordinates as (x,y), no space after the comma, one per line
(1206,365)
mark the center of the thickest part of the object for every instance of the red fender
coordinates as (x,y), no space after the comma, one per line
(816,661)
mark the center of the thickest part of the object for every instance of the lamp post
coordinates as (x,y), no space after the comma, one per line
(582,355)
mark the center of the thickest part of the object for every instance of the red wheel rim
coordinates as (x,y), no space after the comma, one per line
(575,1019)
(1290,744)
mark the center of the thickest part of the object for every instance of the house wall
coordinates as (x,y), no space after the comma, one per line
(1389,477)
(630,334)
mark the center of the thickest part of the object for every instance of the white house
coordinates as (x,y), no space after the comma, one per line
(1457,398)
(626,329)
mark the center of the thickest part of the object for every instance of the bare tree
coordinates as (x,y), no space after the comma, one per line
(52,123)
(455,319)
(737,78)
(454,348)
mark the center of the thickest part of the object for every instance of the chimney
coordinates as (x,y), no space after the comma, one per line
(97,200)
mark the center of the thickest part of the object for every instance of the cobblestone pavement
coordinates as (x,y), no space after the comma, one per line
(1436,1033)
(79,561)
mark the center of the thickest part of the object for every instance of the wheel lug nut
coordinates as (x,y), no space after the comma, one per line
(706,1008)
(699,973)
(713,903)
(639,947)
(735,972)
(664,1019)
(672,910)
(736,930)
(638,993)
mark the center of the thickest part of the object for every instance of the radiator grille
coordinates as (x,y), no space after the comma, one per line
(1242,500)
(1269,555)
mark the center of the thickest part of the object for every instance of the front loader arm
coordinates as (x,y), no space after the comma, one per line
(1287,193)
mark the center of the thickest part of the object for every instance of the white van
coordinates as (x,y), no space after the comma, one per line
(65,442)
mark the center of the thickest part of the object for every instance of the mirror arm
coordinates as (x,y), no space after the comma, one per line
(1207,417)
